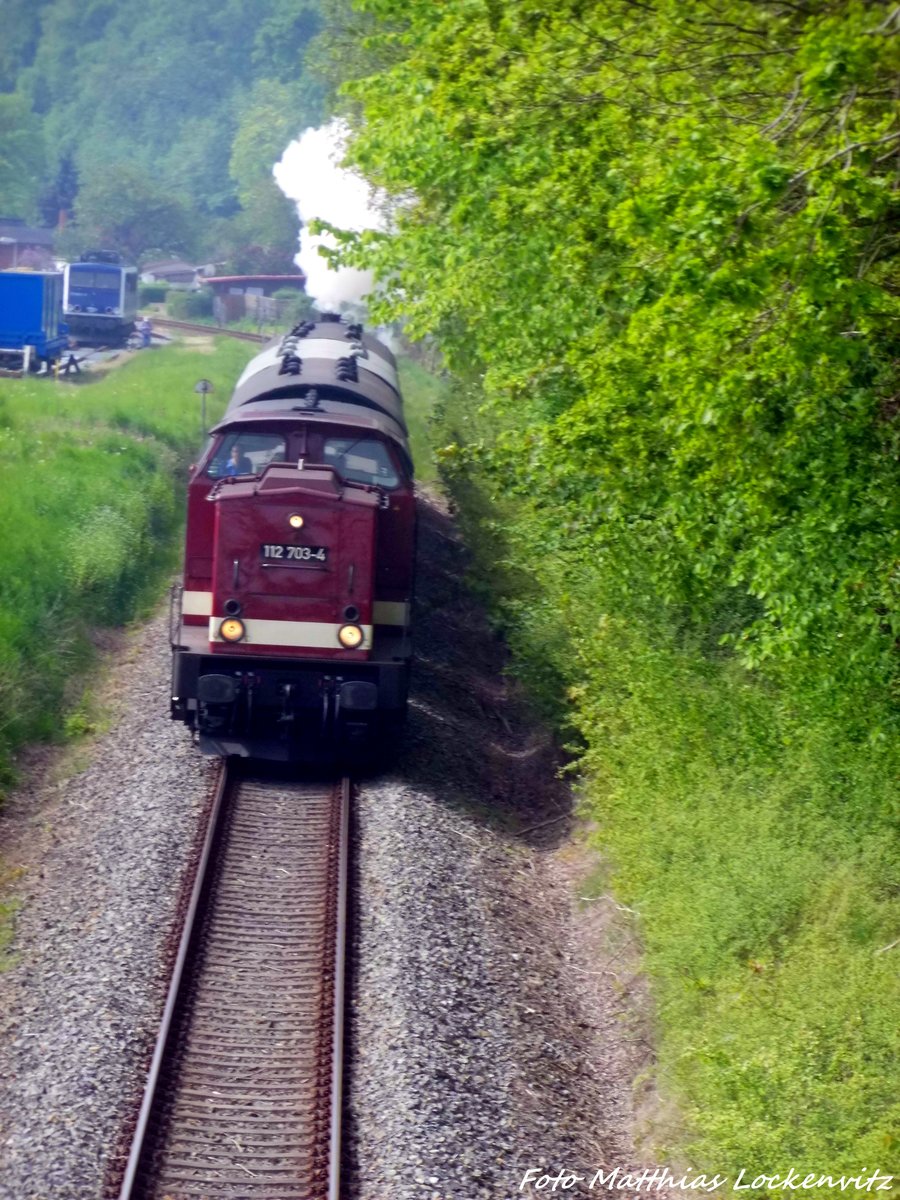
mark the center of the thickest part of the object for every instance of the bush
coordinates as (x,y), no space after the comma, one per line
(151,293)
(748,826)
(186,305)
(293,306)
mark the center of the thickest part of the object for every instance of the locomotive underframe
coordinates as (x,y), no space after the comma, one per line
(96,329)
(291,709)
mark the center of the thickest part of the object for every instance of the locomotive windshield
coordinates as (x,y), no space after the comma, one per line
(356,460)
(88,277)
(246,454)
(361,460)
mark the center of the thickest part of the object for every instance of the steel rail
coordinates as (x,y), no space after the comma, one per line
(337,1069)
(191,327)
(210,1064)
(162,1038)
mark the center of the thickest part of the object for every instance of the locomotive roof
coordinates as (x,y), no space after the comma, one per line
(339,363)
(329,411)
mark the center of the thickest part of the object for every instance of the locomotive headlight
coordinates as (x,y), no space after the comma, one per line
(232,630)
(295,521)
(350,637)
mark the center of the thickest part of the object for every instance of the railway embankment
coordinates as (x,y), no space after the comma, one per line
(748,826)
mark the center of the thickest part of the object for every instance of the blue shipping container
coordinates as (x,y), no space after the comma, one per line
(31,315)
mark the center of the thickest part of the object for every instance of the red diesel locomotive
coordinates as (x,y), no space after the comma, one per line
(291,632)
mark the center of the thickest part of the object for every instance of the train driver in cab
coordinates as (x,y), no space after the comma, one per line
(238,463)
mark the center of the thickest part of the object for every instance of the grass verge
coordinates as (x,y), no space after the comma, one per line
(752,827)
(91,475)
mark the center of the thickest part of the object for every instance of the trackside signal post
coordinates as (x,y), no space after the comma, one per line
(203,386)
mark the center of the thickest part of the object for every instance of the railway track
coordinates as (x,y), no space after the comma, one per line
(188,327)
(243,1097)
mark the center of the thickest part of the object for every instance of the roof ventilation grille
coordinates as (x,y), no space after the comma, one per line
(291,364)
(345,369)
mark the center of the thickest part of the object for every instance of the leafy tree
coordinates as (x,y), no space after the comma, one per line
(657,242)
(59,198)
(21,157)
(21,32)
(131,212)
(263,237)
(124,85)
(269,118)
(666,235)
(282,38)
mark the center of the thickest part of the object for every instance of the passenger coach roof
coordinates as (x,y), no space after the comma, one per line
(339,362)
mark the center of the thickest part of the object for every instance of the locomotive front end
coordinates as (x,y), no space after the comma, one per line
(291,634)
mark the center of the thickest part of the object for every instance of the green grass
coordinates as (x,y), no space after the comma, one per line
(752,829)
(755,840)
(91,475)
(9,906)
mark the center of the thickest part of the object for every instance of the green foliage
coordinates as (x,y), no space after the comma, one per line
(423,394)
(21,157)
(692,349)
(293,306)
(269,117)
(9,905)
(129,210)
(263,237)
(152,293)
(129,88)
(22,22)
(280,43)
(89,519)
(183,305)
(657,244)
(753,835)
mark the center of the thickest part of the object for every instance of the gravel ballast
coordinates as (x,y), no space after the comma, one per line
(487,1030)
(105,852)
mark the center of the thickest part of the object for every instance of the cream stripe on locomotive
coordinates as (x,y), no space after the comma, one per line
(322,348)
(384,612)
(196,604)
(312,635)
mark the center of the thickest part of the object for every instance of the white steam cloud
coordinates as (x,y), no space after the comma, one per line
(308,173)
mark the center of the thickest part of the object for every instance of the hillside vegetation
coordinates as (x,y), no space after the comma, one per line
(155,127)
(657,243)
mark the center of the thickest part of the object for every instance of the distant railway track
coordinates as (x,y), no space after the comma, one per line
(243,1095)
(189,327)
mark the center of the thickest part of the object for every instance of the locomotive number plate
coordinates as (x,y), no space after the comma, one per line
(272,553)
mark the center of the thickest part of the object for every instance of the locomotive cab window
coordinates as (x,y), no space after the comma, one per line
(361,460)
(246,454)
(87,277)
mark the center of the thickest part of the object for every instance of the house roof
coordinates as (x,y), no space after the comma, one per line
(168,264)
(297,278)
(25,235)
